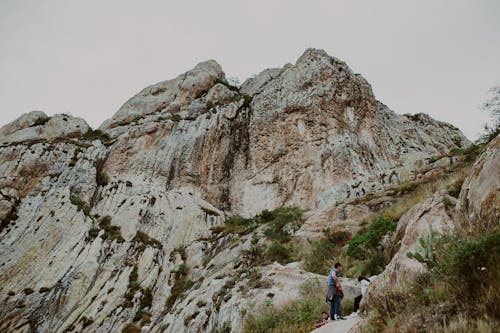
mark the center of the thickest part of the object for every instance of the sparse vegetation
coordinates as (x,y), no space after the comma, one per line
(460,267)
(365,246)
(93,232)
(146,299)
(280,223)
(28,291)
(133,287)
(12,216)
(111,232)
(224,328)
(80,203)
(92,135)
(131,328)
(44,290)
(41,120)
(86,321)
(298,316)
(145,240)
(181,281)
(101,178)
(322,253)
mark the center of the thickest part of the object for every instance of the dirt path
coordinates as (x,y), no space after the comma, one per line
(338,326)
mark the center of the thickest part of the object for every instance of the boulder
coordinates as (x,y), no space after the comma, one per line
(426,218)
(479,201)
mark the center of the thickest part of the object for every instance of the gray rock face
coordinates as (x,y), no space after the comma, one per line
(430,216)
(166,168)
(37,125)
(479,202)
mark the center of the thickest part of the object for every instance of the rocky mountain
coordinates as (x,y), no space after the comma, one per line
(102,228)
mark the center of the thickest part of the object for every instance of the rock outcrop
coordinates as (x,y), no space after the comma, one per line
(479,202)
(475,211)
(425,220)
(101,228)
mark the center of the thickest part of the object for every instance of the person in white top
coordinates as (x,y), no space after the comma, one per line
(364,282)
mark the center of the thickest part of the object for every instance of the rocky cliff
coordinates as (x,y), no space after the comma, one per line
(103,227)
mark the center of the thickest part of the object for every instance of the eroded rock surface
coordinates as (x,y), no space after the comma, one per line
(166,168)
(430,217)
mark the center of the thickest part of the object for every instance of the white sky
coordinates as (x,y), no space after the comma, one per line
(88,57)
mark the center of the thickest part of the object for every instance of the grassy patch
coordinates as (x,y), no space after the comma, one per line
(459,268)
(365,246)
(80,203)
(280,223)
(145,240)
(111,232)
(92,135)
(28,291)
(181,284)
(298,316)
(86,321)
(131,328)
(102,178)
(322,253)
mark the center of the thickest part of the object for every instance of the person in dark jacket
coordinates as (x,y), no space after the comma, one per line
(335,292)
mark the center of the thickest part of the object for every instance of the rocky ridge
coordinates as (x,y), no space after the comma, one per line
(173,162)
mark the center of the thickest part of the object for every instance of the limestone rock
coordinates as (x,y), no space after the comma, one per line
(479,201)
(429,216)
(37,125)
(182,155)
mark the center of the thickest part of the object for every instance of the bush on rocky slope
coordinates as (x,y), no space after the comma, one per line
(458,293)
(325,251)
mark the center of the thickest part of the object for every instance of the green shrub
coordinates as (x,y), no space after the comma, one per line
(44,290)
(278,252)
(461,284)
(224,328)
(92,135)
(240,220)
(365,245)
(146,240)
(321,256)
(131,328)
(282,222)
(111,232)
(102,179)
(473,267)
(93,232)
(181,284)
(86,321)
(296,316)
(80,203)
(28,291)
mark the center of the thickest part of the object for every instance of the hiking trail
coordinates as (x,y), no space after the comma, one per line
(339,326)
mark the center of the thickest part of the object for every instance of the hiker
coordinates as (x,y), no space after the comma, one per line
(357,193)
(335,292)
(324,320)
(364,285)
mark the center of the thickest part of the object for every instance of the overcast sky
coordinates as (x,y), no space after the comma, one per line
(88,57)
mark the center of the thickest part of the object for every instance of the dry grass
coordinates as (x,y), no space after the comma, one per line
(297,316)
